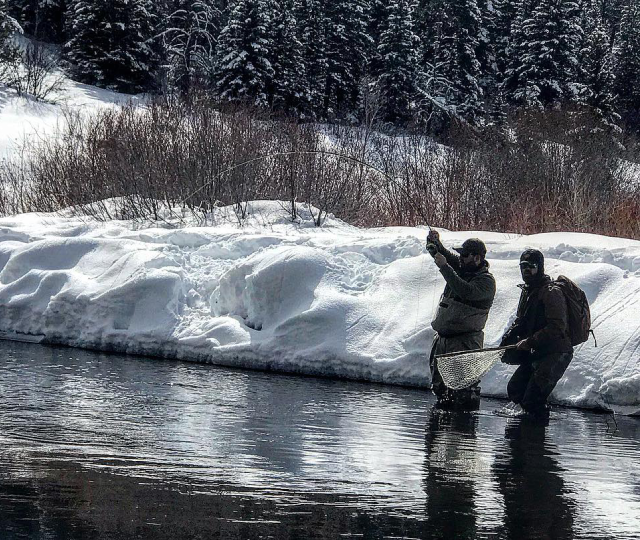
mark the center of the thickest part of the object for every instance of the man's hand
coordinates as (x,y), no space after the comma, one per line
(440,260)
(433,236)
(522,345)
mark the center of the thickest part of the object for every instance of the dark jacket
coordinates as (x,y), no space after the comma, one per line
(467,298)
(541,318)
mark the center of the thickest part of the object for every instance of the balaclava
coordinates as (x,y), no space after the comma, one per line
(534,256)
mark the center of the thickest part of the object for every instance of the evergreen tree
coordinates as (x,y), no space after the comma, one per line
(347,41)
(543,67)
(9,54)
(504,17)
(377,19)
(428,16)
(312,31)
(109,43)
(8,24)
(628,59)
(451,35)
(434,59)
(244,71)
(42,19)
(597,66)
(289,89)
(487,54)
(611,13)
(398,55)
(460,41)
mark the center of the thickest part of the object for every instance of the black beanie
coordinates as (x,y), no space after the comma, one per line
(534,256)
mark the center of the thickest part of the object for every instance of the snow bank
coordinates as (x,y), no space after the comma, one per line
(277,295)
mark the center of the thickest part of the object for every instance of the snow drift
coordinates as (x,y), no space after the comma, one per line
(277,295)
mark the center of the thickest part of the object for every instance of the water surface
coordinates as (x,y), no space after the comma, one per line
(107,447)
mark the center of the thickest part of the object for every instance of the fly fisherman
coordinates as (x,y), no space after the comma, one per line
(541,333)
(462,312)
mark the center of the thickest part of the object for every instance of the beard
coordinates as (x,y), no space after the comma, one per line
(469,266)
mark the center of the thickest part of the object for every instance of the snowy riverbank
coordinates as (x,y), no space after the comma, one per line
(275,295)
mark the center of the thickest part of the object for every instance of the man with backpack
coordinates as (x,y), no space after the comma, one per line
(543,334)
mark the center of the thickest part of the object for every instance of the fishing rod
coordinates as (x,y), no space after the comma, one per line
(311,152)
(338,155)
(283,154)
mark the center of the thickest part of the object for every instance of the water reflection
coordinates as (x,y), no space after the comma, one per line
(537,502)
(108,447)
(449,466)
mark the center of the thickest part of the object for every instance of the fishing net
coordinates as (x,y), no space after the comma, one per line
(462,369)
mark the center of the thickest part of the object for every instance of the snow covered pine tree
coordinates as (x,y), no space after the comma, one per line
(109,43)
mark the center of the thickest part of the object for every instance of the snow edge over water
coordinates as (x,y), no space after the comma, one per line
(280,296)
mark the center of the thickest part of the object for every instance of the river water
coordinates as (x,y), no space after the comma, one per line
(109,447)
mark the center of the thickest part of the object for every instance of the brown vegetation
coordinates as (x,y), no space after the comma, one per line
(539,174)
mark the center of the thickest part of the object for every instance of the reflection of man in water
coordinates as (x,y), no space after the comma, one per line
(448,475)
(536,502)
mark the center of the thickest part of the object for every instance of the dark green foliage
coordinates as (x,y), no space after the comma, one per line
(504,16)
(42,19)
(311,24)
(543,65)
(9,53)
(436,60)
(243,68)
(596,67)
(628,59)
(188,38)
(290,92)
(110,43)
(376,24)
(400,76)
(347,42)
(461,40)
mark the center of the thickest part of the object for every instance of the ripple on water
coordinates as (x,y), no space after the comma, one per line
(97,444)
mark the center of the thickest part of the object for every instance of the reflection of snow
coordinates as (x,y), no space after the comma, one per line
(335,300)
(607,496)
(303,443)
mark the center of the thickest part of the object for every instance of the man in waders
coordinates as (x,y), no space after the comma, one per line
(541,333)
(462,312)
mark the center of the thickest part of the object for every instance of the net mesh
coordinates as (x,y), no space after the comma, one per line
(463,369)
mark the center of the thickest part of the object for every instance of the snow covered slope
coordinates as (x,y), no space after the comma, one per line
(24,120)
(275,295)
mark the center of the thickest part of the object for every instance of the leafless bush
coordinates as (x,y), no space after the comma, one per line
(33,70)
(194,155)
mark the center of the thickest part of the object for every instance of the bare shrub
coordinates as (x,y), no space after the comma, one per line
(189,156)
(32,70)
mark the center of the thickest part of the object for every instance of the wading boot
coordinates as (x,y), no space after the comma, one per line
(467,399)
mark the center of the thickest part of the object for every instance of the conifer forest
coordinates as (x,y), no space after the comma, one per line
(536,104)
(429,60)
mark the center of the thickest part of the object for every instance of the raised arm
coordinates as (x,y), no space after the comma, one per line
(453,260)
(480,288)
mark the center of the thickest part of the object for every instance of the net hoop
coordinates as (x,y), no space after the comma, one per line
(464,368)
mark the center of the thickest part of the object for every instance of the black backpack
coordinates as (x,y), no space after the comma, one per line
(578,311)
